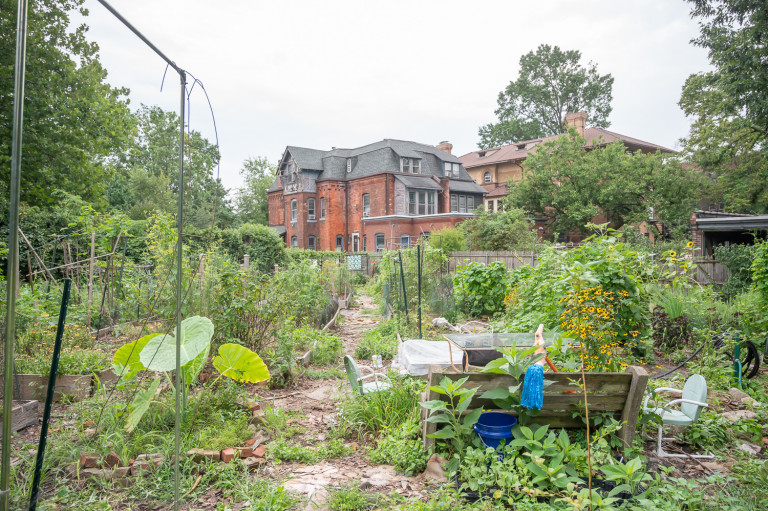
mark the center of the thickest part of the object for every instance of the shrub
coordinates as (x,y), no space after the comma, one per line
(479,289)
(543,293)
(448,239)
(263,245)
(738,259)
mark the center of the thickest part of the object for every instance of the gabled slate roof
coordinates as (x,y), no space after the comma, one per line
(375,158)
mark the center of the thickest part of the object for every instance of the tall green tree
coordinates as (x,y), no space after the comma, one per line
(551,83)
(73,119)
(729,105)
(251,200)
(146,175)
(570,186)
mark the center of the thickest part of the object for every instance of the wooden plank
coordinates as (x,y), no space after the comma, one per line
(23,414)
(632,406)
(33,386)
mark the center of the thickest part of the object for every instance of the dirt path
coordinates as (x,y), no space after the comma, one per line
(357,320)
(318,403)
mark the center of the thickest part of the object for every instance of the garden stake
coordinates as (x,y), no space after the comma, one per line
(12,271)
(49,396)
(402,281)
(418,265)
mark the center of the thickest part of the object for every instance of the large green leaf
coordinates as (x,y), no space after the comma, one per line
(140,405)
(160,353)
(126,361)
(191,370)
(240,364)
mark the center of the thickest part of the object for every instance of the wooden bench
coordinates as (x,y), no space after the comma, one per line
(618,394)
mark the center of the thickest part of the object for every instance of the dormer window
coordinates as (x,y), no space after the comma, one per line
(481,154)
(452,169)
(411,165)
(521,146)
(349,165)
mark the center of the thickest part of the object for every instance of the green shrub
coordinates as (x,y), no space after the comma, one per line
(480,289)
(328,349)
(738,259)
(448,239)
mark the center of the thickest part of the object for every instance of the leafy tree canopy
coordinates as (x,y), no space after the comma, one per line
(551,83)
(729,105)
(251,200)
(73,119)
(569,185)
(146,175)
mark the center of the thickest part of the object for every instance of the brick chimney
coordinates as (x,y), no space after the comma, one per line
(446,146)
(578,120)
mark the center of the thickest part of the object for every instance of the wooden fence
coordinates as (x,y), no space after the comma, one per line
(708,271)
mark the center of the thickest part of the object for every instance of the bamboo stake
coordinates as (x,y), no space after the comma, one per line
(90,276)
(37,257)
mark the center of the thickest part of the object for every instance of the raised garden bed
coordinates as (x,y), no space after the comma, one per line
(617,394)
(75,386)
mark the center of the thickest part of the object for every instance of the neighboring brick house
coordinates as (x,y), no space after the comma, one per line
(493,168)
(382,195)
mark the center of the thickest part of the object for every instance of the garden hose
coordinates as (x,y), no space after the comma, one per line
(749,366)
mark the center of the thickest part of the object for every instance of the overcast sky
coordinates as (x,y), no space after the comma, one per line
(347,73)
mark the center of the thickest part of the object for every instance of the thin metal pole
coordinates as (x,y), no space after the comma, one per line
(402,281)
(180,232)
(146,41)
(13,247)
(49,396)
(418,269)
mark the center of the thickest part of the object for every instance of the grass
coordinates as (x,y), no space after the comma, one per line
(349,498)
(283,450)
(380,410)
(280,422)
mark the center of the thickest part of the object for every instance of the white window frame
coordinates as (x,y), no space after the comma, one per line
(310,208)
(339,247)
(294,242)
(410,165)
(312,243)
(366,205)
(422,202)
(405,241)
(322,208)
(379,237)
(487,178)
(294,211)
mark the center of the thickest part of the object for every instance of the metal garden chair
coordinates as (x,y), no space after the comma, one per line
(692,399)
(356,379)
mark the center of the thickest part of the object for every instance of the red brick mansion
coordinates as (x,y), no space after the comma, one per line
(382,195)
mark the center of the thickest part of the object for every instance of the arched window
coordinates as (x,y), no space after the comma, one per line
(294,241)
(294,210)
(339,243)
(487,178)
(312,243)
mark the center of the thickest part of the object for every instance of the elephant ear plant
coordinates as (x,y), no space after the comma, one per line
(457,426)
(157,353)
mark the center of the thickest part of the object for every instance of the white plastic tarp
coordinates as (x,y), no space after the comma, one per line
(414,356)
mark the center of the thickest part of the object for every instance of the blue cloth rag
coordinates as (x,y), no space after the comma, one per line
(533,387)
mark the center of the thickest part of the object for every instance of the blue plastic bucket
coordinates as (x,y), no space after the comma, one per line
(493,427)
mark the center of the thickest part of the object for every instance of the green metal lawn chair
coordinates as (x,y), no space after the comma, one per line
(693,398)
(359,386)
